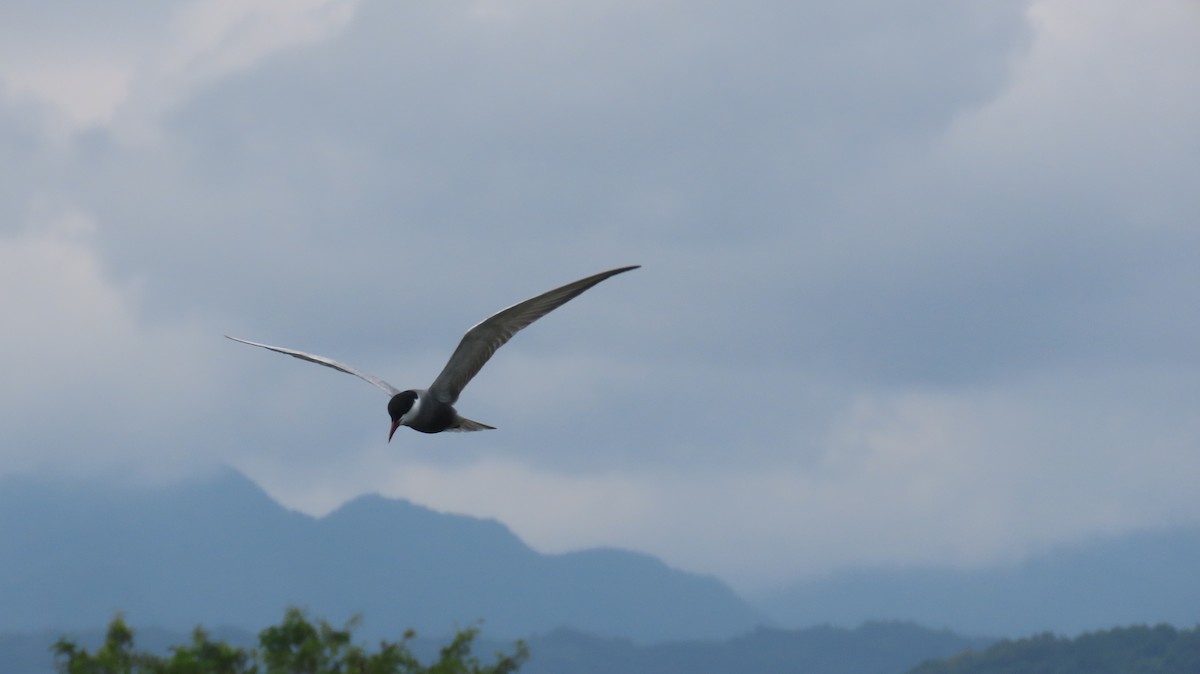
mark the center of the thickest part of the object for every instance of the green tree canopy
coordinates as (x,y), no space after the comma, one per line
(1124,650)
(295,646)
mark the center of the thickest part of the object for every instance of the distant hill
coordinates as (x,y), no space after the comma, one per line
(1142,578)
(220,552)
(873,648)
(877,648)
(1146,650)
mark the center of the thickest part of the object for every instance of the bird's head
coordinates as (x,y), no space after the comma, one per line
(400,404)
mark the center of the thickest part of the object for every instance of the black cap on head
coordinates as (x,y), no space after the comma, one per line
(400,403)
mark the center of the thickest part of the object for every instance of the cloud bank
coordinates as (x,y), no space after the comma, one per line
(918,283)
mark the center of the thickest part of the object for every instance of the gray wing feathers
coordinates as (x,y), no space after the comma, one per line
(321,360)
(465,424)
(481,341)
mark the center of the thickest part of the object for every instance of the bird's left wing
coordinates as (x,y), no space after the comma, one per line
(481,341)
(321,360)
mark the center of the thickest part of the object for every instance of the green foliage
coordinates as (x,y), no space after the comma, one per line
(1128,650)
(295,646)
(116,656)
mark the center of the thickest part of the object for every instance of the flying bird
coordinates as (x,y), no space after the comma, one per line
(432,410)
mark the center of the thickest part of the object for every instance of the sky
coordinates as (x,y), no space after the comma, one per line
(918,286)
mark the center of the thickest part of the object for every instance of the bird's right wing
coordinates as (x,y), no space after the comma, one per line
(481,341)
(321,360)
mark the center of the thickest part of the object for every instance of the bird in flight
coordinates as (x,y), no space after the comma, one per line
(432,410)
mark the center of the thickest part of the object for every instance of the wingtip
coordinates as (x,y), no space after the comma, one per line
(619,270)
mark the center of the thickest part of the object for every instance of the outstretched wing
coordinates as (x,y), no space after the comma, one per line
(481,341)
(321,360)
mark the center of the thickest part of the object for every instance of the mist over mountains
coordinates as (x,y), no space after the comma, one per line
(1145,578)
(221,552)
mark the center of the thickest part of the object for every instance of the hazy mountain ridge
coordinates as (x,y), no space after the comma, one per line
(872,648)
(221,552)
(1145,577)
(1142,649)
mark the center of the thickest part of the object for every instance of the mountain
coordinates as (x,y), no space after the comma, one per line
(220,552)
(1146,650)
(1141,578)
(873,648)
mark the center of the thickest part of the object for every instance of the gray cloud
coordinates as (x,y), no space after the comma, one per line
(895,262)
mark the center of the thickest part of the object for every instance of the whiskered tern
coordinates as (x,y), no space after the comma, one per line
(432,410)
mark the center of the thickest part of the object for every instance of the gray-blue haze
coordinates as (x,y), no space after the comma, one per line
(221,553)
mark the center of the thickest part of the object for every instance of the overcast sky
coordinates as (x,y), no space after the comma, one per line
(920,280)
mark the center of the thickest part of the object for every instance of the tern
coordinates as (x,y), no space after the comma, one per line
(432,410)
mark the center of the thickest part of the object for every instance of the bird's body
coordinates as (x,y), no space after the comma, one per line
(420,411)
(432,410)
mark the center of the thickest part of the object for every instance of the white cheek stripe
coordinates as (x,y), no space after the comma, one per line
(412,412)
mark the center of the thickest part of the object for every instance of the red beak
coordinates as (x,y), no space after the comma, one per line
(395,425)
